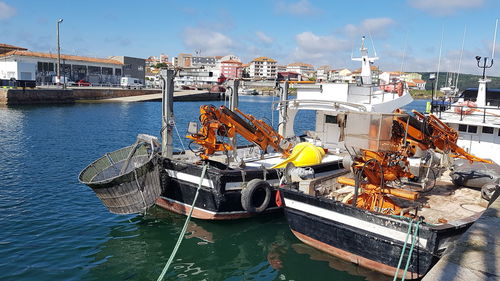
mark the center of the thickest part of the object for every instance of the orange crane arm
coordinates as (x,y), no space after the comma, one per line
(224,122)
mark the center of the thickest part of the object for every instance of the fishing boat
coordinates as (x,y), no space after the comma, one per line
(475,113)
(371,213)
(241,181)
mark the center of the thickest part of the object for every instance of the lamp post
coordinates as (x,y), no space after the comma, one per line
(478,59)
(58,54)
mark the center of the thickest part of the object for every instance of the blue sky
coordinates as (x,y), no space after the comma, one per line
(316,32)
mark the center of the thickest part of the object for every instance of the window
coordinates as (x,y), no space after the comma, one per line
(462,128)
(487,130)
(472,129)
(332,119)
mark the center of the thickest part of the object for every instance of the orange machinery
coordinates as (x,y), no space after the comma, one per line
(226,123)
(373,169)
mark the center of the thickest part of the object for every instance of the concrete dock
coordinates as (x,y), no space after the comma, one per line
(476,255)
(49,96)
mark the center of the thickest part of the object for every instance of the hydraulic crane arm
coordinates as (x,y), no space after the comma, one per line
(225,123)
(430,132)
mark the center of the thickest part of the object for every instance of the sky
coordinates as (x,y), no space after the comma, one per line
(406,34)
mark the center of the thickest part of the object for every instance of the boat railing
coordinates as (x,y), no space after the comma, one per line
(463,110)
(321,104)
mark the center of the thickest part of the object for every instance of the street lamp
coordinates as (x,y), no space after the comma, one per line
(58,54)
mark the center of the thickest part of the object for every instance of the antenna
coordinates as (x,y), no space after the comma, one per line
(494,41)
(460,60)
(439,61)
(373,45)
(404,54)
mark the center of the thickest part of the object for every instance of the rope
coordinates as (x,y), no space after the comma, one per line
(403,251)
(413,242)
(183,232)
(411,250)
(179,136)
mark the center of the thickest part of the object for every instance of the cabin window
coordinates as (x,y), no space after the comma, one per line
(487,130)
(472,129)
(332,119)
(462,128)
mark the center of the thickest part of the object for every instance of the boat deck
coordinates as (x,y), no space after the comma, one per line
(476,255)
(447,203)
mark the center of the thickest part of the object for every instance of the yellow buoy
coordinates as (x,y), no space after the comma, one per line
(303,154)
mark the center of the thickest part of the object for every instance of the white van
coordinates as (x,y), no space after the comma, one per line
(131,83)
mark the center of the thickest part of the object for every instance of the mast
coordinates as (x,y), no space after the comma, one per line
(233,103)
(366,73)
(481,91)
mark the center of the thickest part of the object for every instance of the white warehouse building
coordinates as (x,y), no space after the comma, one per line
(42,67)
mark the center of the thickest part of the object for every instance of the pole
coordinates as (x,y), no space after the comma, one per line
(283,110)
(432,97)
(167,77)
(233,103)
(58,54)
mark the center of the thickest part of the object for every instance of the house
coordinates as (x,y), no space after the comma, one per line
(263,67)
(231,68)
(388,77)
(322,73)
(340,75)
(419,84)
(299,67)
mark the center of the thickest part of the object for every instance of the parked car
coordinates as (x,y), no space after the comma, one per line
(83,83)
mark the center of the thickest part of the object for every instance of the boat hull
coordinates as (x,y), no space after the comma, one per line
(220,194)
(371,240)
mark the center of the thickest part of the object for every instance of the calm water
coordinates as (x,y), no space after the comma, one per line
(53,228)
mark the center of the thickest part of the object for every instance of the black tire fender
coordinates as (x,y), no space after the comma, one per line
(255,197)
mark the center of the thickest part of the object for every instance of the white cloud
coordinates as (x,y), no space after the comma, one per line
(299,8)
(444,7)
(6,11)
(263,37)
(318,49)
(208,41)
(375,26)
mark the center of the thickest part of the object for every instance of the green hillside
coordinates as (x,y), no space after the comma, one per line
(464,81)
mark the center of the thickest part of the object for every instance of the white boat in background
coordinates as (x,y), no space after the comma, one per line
(475,114)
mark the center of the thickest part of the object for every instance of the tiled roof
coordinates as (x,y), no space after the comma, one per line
(300,64)
(54,56)
(418,81)
(264,59)
(7,46)
(231,61)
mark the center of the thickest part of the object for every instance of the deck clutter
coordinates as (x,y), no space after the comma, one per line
(370,184)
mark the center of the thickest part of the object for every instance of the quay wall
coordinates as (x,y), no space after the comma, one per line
(47,96)
(35,96)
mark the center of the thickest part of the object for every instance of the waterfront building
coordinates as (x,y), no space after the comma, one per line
(410,76)
(340,75)
(300,68)
(262,67)
(322,73)
(419,84)
(132,67)
(375,74)
(26,65)
(5,48)
(231,68)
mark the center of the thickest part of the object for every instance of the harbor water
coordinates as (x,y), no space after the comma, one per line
(54,228)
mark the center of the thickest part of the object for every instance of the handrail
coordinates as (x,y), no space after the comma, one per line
(281,104)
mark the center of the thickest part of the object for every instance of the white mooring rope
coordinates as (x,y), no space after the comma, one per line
(183,232)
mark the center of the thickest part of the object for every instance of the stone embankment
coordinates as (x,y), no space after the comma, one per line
(49,96)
